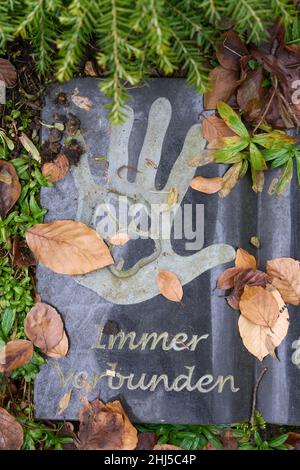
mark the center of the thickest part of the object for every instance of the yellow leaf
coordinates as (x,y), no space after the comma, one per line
(64,402)
(244,260)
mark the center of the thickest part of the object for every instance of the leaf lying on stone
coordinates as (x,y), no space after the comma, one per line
(245,260)
(105,427)
(10,188)
(56,170)
(44,326)
(244,278)
(256,338)
(64,402)
(11,432)
(227,278)
(231,178)
(169,286)
(259,306)
(15,354)
(61,349)
(285,274)
(213,129)
(207,185)
(120,238)
(68,247)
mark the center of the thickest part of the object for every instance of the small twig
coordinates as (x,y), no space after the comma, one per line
(254,398)
(268,106)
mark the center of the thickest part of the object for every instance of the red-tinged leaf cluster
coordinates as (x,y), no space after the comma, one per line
(258,80)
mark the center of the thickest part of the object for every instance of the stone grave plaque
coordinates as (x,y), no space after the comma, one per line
(172,362)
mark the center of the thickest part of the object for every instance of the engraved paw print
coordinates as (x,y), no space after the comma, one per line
(138,283)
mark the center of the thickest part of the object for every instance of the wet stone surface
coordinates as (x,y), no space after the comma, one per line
(167,362)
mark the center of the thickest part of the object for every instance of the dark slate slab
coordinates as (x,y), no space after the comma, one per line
(204,312)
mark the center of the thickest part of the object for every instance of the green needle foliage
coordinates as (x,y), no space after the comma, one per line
(133,38)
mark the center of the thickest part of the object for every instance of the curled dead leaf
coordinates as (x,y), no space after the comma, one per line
(223,83)
(11,432)
(207,185)
(259,306)
(254,337)
(21,256)
(245,260)
(105,427)
(226,279)
(60,350)
(246,277)
(64,402)
(10,188)
(68,247)
(230,51)
(56,170)
(230,179)
(15,354)
(30,147)
(119,238)
(169,286)
(285,274)
(44,326)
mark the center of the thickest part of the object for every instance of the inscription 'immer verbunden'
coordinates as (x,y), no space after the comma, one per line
(145,381)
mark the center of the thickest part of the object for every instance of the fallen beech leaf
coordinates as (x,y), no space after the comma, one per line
(206,156)
(231,178)
(44,326)
(30,147)
(60,350)
(10,188)
(207,185)
(8,73)
(246,277)
(169,286)
(226,279)
(254,336)
(57,169)
(223,83)
(21,255)
(285,274)
(259,306)
(229,441)
(119,239)
(68,247)
(15,354)
(244,260)
(105,427)
(166,447)
(214,128)
(230,51)
(64,402)
(83,102)
(11,432)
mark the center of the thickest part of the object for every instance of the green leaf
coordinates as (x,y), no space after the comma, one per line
(271,154)
(285,178)
(232,120)
(278,441)
(258,440)
(256,158)
(298,168)
(280,161)
(8,319)
(221,156)
(244,168)
(273,140)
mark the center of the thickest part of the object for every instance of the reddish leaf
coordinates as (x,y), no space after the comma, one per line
(223,83)
(213,129)
(44,326)
(11,432)
(146,441)
(8,73)
(21,254)
(226,279)
(230,51)
(15,354)
(247,277)
(229,441)
(10,188)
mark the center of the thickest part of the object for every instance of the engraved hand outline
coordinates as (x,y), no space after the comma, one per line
(140,284)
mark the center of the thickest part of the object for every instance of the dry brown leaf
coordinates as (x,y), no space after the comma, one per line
(15,354)
(146,441)
(64,402)
(10,188)
(229,441)
(82,102)
(30,147)
(214,128)
(68,247)
(259,306)
(119,239)
(254,336)
(11,432)
(207,185)
(230,51)
(56,170)
(21,255)
(244,260)
(166,447)
(8,73)
(230,179)
(60,350)
(223,83)
(90,69)
(285,274)
(246,277)
(206,156)
(44,326)
(226,279)
(169,286)
(105,427)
